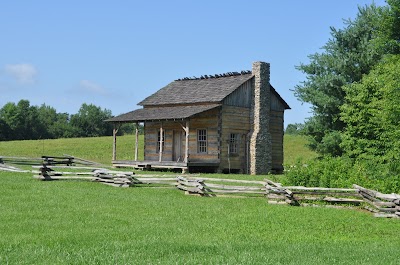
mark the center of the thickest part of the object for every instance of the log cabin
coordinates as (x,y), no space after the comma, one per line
(232,122)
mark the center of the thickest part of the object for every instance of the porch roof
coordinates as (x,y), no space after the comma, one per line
(163,113)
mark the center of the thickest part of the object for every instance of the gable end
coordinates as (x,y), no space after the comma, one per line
(241,97)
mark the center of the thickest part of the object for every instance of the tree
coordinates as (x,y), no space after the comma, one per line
(62,127)
(294,129)
(47,116)
(89,121)
(5,131)
(22,120)
(57,124)
(372,113)
(8,115)
(388,40)
(130,128)
(347,56)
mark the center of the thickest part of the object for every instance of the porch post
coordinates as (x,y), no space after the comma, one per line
(187,142)
(136,141)
(115,131)
(161,142)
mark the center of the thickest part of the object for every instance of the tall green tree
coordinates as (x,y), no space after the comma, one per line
(90,121)
(346,57)
(57,124)
(294,129)
(5,131)
(388,41)
(62,127)
(10,120)
(47,116)
(23,121)
(372,113)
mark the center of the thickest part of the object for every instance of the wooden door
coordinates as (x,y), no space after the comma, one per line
(177,147)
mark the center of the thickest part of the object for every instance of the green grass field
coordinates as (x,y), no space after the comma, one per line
(97,149)
(73,222)
(100,148)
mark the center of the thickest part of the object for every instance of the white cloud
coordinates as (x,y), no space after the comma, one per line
(24,73)
(92,87)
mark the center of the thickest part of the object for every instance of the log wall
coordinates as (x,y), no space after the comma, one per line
(219,123)
(242,96)
(276,104)
(234,120)
(276,130)
(151,137)
(207,120)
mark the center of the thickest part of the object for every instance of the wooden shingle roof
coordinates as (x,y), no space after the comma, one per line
(196,90)
(162,113)
(185,98)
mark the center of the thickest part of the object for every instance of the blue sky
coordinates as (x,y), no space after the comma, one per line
(115,53)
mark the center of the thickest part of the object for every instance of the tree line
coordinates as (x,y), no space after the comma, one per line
(23,121)
(353,86)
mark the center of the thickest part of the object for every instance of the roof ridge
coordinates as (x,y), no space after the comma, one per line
(228,74)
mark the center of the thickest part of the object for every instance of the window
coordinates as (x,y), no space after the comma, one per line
(201,141)
(234,143)
(159,140)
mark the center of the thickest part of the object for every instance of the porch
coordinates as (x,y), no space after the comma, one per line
(148,164)
(169,139)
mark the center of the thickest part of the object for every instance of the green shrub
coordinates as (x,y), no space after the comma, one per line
(342,172)
(330,144)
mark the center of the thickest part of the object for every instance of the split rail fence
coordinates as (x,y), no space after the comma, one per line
(8,163)
(382,205)
(46,168)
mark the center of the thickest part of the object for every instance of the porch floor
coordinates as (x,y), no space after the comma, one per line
(147,164)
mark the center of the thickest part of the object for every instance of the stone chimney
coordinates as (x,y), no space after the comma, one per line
(260,146)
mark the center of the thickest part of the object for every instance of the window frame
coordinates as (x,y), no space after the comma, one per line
(202,144)
(234,143)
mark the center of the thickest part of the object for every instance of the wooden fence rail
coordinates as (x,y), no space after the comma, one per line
(221,187)
(6,162)
(383,205)
(44,160)
(102,175)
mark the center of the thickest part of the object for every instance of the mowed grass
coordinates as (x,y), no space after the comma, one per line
(295,149)
(89,223)
(99,149)
(75,222)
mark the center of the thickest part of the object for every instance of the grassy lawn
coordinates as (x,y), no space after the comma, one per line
(73,222)
(89,223)
(295,149)
(100,148)
(97,149)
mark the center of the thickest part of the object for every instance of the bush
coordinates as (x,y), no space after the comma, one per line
(330,144)
(342,172)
